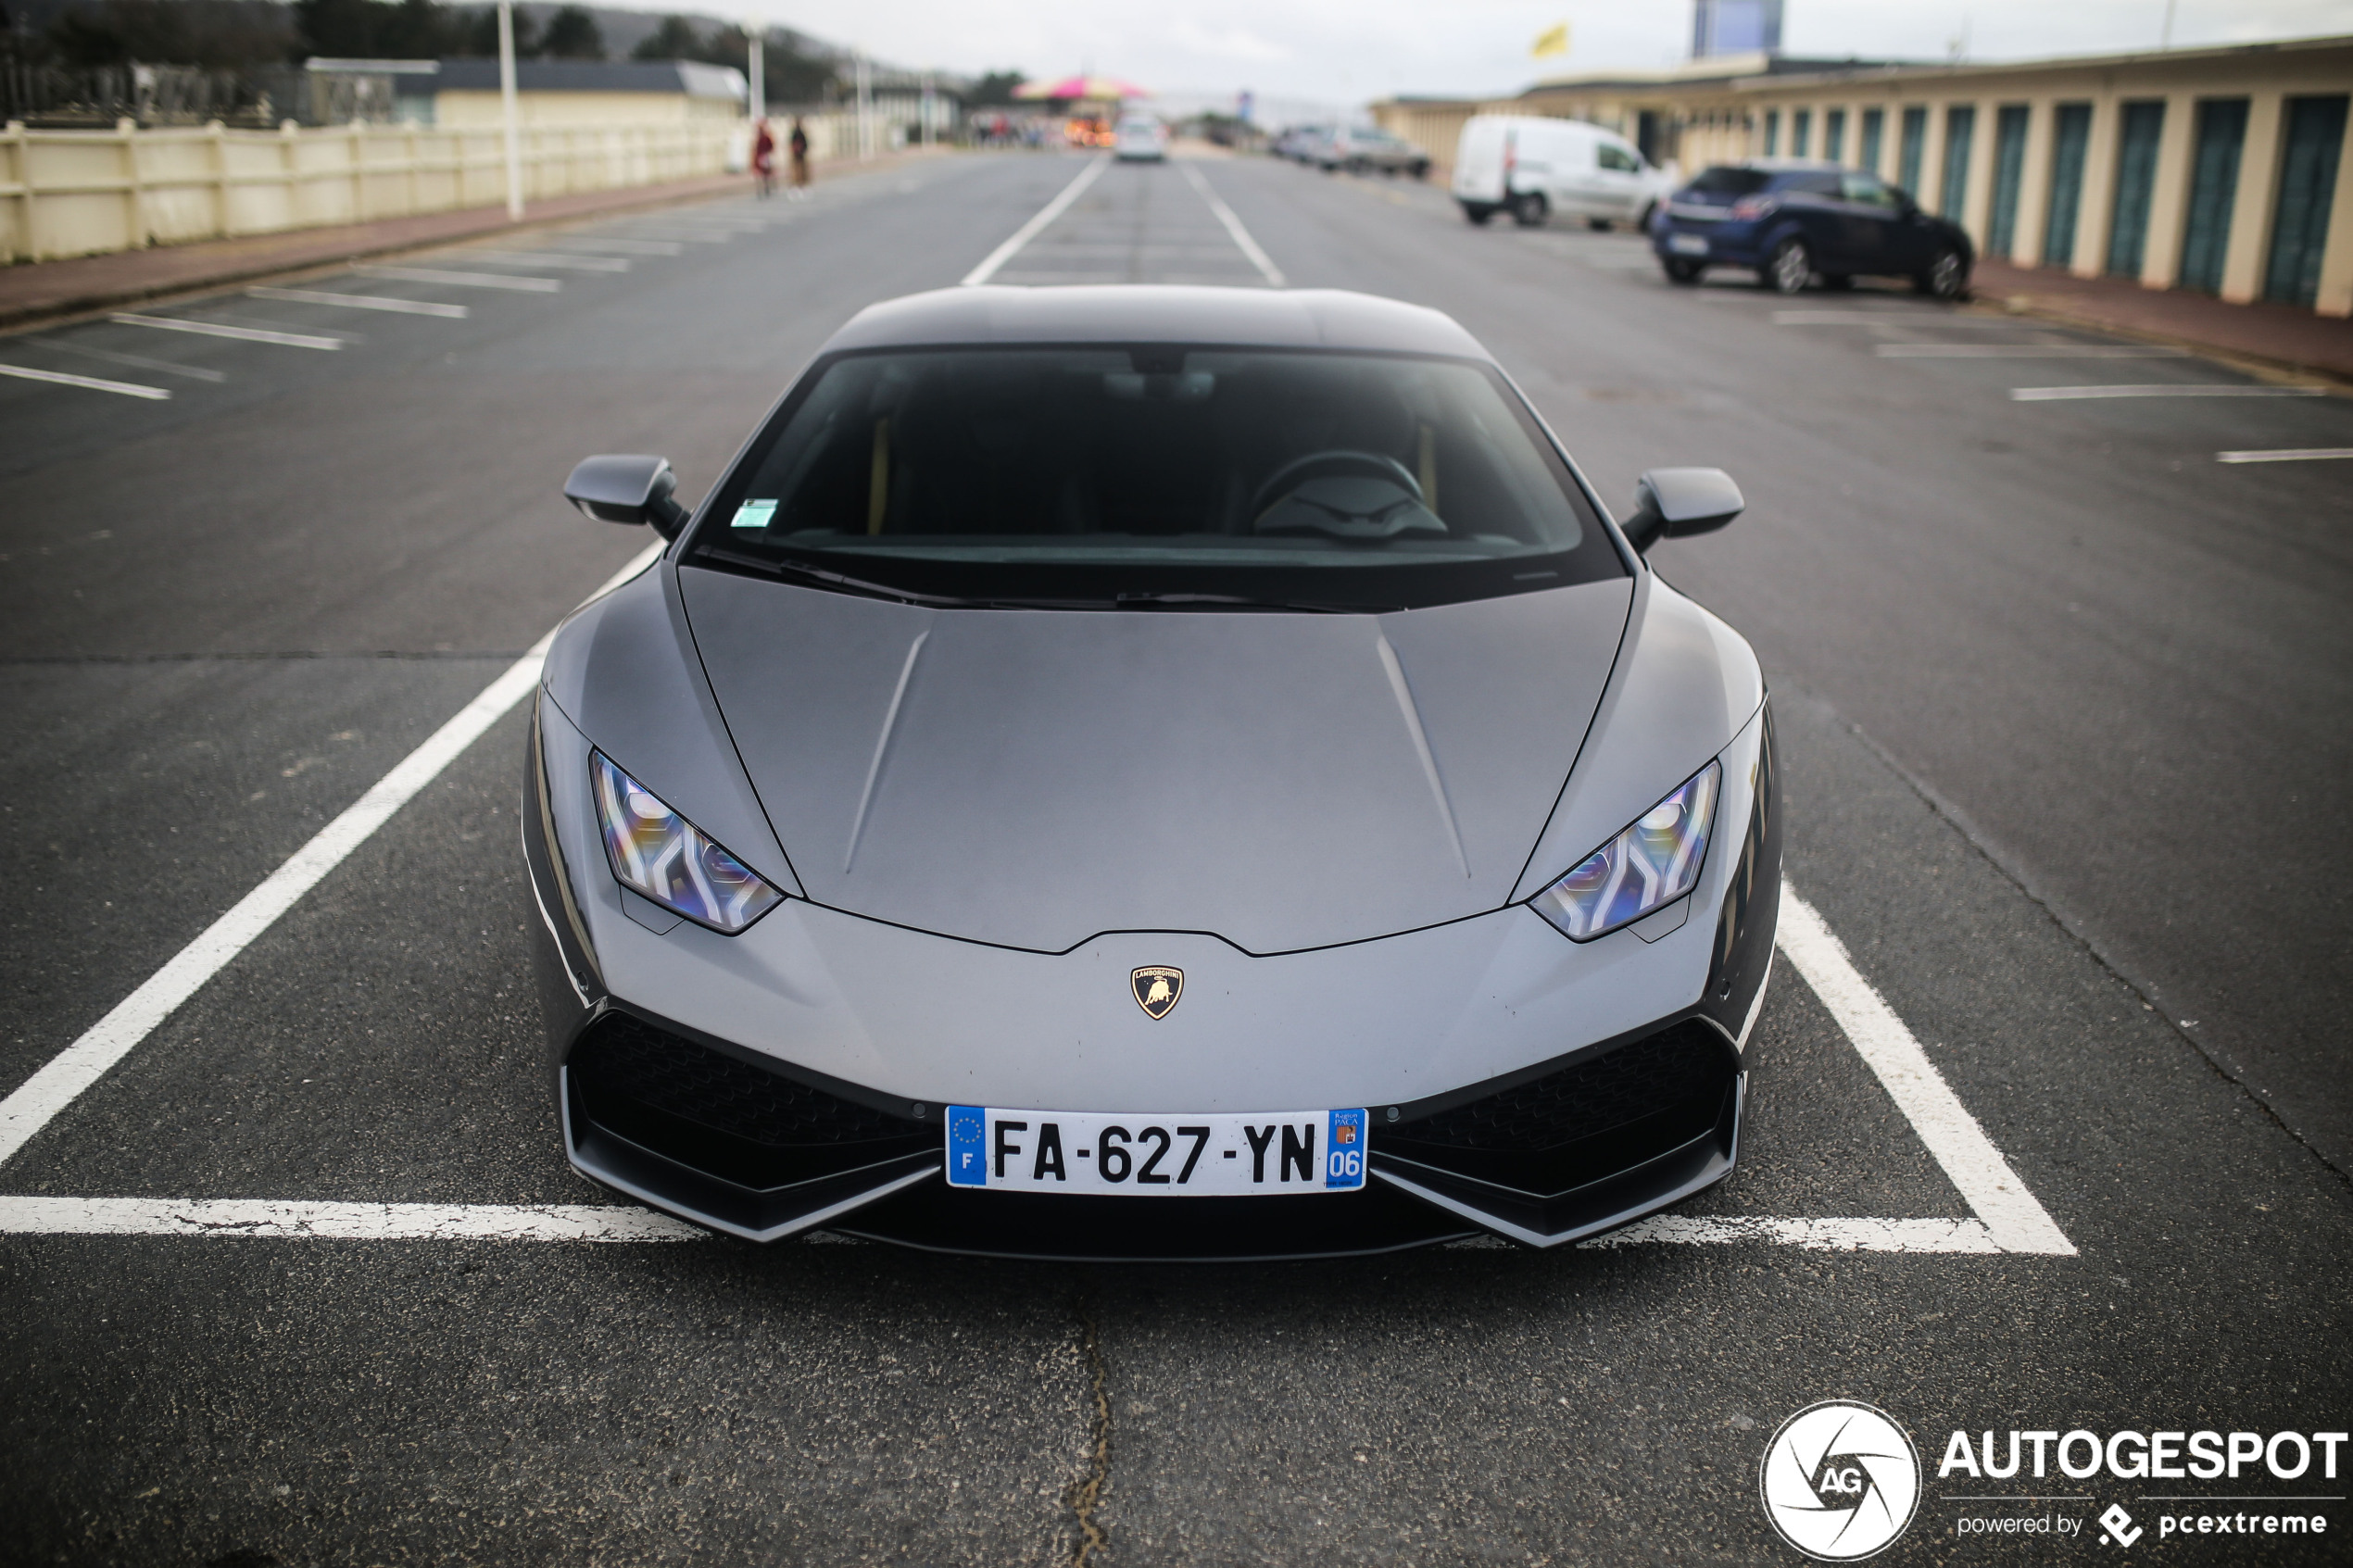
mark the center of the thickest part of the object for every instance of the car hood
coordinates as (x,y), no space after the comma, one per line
(1032,778)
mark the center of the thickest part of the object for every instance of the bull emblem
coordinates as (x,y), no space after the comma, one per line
(1156,989)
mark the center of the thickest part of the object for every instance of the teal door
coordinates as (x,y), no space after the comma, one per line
(1800,134)
(2214,185)
(1874,123)
(2070,136)
(1834,134)
(2308,184)
(1960,125)
(1772,133)
(2009,166)
(1913,148)
(2127,229)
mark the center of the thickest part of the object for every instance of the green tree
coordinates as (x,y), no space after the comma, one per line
(483,32)
(572,35)
(995,90)
(675,39)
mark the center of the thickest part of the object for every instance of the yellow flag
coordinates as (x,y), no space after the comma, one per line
(1552,40)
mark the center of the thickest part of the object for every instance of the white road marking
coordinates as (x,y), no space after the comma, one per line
(63,1078)
(625,247)
(2028,351)
(234,1218)
(463,280)
(1247,247)
(361,302)
(223,329)
(1815,1236)
(93,383)
(1895,317)
(2286,454)
(2014,1218)
(550,258)
(1037,221)
(2170,389)
(137,361)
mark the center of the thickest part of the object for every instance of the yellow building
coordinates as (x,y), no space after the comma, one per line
(2224,171)
(464,93)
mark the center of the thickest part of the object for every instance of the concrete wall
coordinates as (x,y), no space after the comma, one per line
(467,110)
(80,192)
(1710,121)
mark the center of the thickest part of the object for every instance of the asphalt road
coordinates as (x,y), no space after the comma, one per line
(2060,695)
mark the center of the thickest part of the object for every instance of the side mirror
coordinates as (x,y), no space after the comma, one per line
(1678,503)
(627,489)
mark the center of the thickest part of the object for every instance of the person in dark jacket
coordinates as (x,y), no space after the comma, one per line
(800,146)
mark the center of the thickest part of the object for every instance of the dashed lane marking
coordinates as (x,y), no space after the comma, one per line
(362,302)
(1243,242)
(463,280)
(224,329)
(93,383)
(2162,389)
(63,1078)
(2287,454)
(1037,224)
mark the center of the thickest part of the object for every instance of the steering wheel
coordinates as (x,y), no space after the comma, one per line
(1344,494)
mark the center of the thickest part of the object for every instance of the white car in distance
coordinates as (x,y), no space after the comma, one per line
(1534,166)
(1141,138)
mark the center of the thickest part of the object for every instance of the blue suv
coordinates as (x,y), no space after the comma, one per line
(1794,222)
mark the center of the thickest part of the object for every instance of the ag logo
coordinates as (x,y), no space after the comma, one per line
(1156,989)
(1841,1481)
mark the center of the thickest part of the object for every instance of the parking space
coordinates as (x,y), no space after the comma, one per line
(2017,1147)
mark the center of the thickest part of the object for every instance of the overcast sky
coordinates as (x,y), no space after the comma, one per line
(1341,51)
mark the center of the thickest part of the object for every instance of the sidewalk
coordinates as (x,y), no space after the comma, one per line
(32,291)
(2282,336)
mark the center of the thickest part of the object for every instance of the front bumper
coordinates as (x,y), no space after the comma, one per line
(793,1077)
(1729,243)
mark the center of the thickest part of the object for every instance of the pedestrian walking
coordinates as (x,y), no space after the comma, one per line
(800,147)
(763,159)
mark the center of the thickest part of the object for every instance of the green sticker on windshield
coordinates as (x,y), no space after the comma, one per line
(754,514)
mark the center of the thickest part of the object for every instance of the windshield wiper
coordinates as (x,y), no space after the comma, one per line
(845,582)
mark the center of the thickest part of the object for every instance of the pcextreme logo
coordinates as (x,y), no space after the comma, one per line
(1840,1480)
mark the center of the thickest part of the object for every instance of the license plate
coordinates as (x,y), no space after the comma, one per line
(1687,245)
(1259,1154)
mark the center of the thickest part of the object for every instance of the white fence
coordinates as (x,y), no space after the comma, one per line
(80,193)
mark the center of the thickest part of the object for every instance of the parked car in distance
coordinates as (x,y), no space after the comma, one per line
(1363,151)
(1301,144)
(1794,222)
(1533,166)
(1141,138)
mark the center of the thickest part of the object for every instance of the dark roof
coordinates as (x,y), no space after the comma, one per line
(690,77)
(1157,313)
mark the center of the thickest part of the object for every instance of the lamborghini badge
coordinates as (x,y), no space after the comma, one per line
(1156,989)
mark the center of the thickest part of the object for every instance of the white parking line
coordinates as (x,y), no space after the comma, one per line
(136,361)
(2286,454)
(625,247)
(223,329)
(550,258)
(93,383)
(1247,247)
(2014,1219)
(1898,316)
(2028,351)
(361,302)
(1037,221)
(234,1218)
(463,280)
(63,1078)
(2193,389)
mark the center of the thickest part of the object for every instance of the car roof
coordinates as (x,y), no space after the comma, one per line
(1156,313)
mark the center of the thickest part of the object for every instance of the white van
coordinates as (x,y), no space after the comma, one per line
(1533,166)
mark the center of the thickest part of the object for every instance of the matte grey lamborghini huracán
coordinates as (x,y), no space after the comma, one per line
(1152,774)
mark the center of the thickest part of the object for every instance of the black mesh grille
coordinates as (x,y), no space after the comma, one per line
(717,1115)
(1583,1123)
(1627,1084)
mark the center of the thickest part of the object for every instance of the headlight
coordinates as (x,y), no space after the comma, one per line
(1647,867)
(658,853)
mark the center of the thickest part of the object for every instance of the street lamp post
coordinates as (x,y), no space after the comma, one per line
(509,111)
(757,101)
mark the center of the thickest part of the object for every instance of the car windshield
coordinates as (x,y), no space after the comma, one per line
(1725,181)
(1155,476)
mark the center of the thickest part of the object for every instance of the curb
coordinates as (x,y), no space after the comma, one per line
(2261,366)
